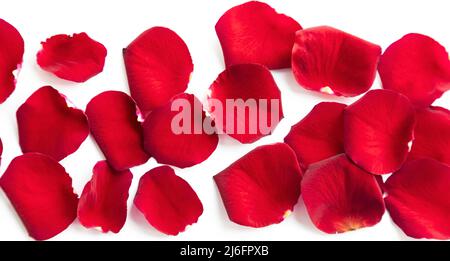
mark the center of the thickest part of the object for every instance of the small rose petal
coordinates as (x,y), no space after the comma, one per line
(103,202)
(46,124)
(255,33)
(167,201)
(416,66)
(331,61)
(262,187)
(319,135)
(158,65)
(11,53)
(74,58)
(179,141)
(250,102)
(113,121)
(41,192)
(418,199)
(377,130)
(341,197)
(1,149)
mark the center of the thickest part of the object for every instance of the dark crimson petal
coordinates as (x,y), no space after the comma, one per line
(247,85)
(47,124)
(341,197)
(103,203)
(418,67)
(262,187)
(255,33)
(331,61)
(167,201)
(41,192)
(319,135)
(74,58)
(11,53)
(377,130)
(418,199)
(113,121)
(159,66)
(1,149)
(174,148)
(432,135)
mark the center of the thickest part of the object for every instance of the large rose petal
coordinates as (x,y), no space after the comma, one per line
(418,199)
(262,187)
(255,33)
(167,201)
(74,58)
(113,120)
(159,66)
(47,125)
(418,67)
(103,202)
(41,192)
(377,130)
(331,61)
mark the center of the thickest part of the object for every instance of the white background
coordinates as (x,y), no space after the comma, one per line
(117,23)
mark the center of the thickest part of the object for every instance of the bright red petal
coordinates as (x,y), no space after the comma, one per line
(41,192)
(47,124)
(159,66)
(75,58)
(418,199)
(418,67)
(262,187)
(319,135)
(103,202)
(331,61)
(167,201)
(377,130)
(255,33)
(113,120)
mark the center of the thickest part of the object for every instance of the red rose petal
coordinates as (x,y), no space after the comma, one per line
(47,125)
(251,84)
(11,53)
(418,199)
(159,66)
(41,192)
(331,61)
(75,58)
(377,130)
(103,202)
(319,135)
(416,66)
(262,187)
(113,121)
(341,197)
(255,33)
(167,201)
(178,149)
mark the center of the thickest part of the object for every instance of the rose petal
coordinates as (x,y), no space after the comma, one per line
(377,130)
(262,187)
(175,148)
(74,58)
(253,91)
(319,135)
(418,199)
(167,201)
(41,192)
(331,61)
(46,124)
(418,67)
(113,122)
(159,66)
(103,202)
(255,33)
(341,197)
